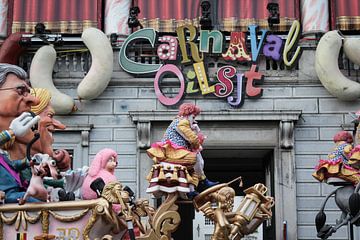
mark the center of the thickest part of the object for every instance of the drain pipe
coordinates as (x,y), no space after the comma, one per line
(284,230)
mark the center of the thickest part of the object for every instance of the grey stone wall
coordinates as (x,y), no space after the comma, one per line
(322,116)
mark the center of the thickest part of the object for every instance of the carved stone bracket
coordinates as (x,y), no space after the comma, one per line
(286,134)
(143,120)
(143,134)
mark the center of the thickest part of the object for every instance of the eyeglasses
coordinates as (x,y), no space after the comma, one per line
(22,90)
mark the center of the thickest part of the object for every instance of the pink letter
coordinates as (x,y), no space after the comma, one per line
(159,76)
(167,51)
(226,86)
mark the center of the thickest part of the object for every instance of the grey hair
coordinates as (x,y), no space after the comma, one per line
(6,69)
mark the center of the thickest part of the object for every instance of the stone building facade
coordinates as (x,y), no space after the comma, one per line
(291,126)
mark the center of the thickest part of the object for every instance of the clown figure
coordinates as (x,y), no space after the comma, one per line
(178,161)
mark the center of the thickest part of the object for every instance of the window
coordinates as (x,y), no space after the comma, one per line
(75,139)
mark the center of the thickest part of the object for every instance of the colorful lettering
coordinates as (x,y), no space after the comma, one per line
(237,48)
(193,47)
(272,47)
(191,88)
(240,94)
(197,78)
(253,78)
(216,36)
(202,78)
(168,50)
(226,86)
(169,68)
(291,40)
(134,67)
(255,48)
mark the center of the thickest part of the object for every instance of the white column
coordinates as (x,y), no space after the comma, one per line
(3,17)
(315,16)
(116,16)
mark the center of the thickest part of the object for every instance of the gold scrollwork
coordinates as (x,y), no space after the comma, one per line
(72,218)
(165,220)
(45,221)
(32,219)
(89,225)
(20,220)
(1,229)
(8,220)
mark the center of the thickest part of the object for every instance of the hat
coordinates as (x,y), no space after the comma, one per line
(44,96)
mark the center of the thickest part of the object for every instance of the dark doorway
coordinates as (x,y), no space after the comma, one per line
(254,165)
(224,165)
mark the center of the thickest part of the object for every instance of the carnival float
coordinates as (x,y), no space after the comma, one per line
(106,209)
(341,167)
(43,198)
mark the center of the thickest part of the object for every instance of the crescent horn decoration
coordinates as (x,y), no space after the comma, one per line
(91,86)
(327,68)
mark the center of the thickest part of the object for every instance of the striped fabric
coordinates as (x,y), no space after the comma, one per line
(345,15)
(21,236)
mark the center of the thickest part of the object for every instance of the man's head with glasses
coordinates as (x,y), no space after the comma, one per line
(14,91)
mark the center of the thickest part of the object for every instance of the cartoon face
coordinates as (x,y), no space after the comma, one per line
(47,125)
(15,97)
(49,122)
(111,164)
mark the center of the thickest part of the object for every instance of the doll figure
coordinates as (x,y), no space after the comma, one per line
(45,168)
(12,185)
(177,155)
(336,165)
(102,166)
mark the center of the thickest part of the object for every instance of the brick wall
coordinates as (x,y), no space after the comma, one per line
(300,89)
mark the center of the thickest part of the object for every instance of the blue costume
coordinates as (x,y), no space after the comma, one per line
(11,182)
(174,136)
(13,186)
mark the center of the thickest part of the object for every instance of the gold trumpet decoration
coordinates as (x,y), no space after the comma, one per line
(253,210)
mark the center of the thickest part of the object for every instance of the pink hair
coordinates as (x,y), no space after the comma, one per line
(97,169)
(101,160)
(343,136)
(186,109)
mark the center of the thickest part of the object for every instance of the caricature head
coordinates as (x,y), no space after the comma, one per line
(189,110)
(14,91)
(111,164)
(343,136)
(48,124)
(105,159)
(226,197)
(45,110)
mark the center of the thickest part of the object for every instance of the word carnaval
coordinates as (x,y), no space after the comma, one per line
(246,83)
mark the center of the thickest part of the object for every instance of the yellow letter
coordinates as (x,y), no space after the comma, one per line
(182,43)
(291,40)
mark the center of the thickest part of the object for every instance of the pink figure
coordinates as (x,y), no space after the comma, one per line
(102,166)
(46,168)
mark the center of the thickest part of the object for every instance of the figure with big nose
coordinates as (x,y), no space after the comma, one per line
(38,101)
(15,122)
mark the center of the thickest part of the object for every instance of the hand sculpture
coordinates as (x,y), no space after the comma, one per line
(21,125)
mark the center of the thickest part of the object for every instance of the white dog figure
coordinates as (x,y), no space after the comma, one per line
(46,167)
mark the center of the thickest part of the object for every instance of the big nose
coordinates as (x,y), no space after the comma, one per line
(31,100)
(57,124)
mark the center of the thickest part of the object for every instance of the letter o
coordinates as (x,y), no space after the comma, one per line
(159,75)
